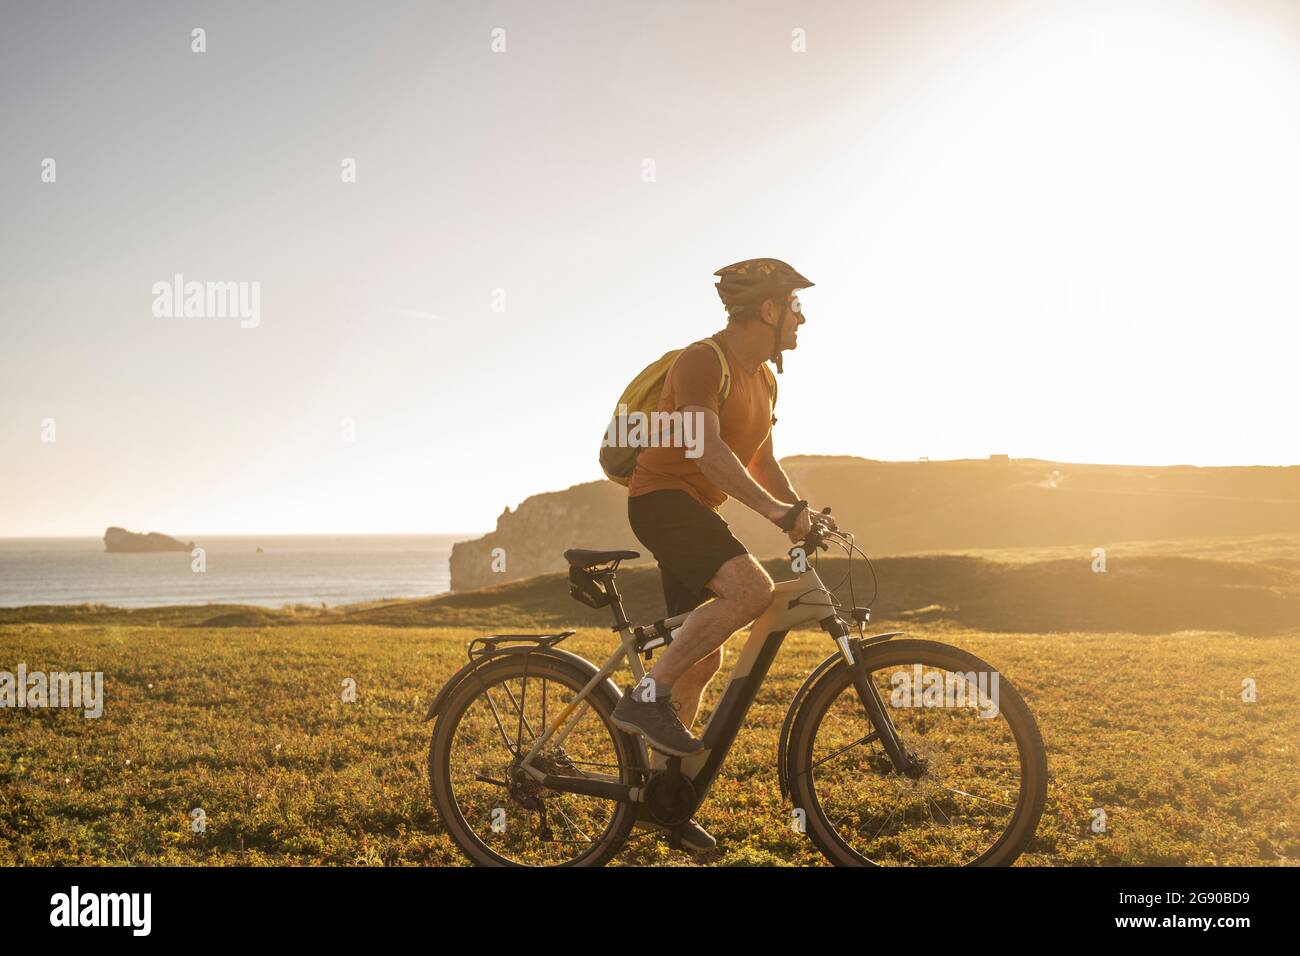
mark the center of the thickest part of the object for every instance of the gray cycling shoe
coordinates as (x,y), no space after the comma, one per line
(689,836)
(657,722)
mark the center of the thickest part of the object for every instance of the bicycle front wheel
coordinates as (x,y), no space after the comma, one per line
(982,782)
(495,812)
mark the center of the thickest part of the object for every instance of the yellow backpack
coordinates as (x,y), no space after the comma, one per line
(641,397)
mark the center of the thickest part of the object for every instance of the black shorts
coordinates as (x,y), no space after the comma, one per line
(690,542)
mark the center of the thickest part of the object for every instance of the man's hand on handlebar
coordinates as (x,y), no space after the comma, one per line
(803,526)
(820,523)
(791,518)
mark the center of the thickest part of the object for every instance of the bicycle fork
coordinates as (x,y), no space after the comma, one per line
(883,729)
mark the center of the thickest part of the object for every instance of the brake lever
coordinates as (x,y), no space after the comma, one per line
(820,529)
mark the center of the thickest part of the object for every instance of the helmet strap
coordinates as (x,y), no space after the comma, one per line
(776,342)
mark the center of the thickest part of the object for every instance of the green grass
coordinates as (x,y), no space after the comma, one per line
(248,724)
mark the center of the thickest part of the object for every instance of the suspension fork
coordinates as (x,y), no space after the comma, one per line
(851,650)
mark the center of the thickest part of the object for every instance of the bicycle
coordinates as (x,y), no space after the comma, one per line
(887,750)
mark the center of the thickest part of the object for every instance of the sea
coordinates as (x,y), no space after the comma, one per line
(268,570)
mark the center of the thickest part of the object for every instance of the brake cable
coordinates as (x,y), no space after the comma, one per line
(847,541)
(850,546)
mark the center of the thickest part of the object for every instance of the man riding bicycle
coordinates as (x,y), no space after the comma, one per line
(673,498)
(541,735)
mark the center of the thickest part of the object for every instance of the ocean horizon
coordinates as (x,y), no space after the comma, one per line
(329,569)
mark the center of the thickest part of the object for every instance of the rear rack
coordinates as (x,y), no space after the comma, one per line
(483,646)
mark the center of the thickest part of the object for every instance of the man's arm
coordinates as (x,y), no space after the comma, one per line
(767,471)
(694,379)
(719,464)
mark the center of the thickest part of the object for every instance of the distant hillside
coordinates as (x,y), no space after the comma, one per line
(1139,593)
(910,507)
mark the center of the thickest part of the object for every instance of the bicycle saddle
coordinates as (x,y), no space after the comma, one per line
(582,558)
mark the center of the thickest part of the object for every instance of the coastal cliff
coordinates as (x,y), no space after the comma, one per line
(924,507)
(535,535)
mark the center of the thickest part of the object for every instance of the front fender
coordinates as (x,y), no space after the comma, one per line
(788,724)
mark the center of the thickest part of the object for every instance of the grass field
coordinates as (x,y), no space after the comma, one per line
(249,725)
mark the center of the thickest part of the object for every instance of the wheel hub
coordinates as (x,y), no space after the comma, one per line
(525,789)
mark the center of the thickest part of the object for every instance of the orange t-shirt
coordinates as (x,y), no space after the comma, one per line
(745,421)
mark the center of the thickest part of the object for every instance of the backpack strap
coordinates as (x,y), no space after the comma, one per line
(771,381)
(724,386)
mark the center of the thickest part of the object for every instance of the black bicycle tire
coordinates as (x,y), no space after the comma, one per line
(461,833)
(1033,754)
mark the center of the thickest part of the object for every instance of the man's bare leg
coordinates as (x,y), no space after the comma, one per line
(689,689)
(744,590)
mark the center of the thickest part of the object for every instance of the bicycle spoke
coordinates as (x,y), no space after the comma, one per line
(519,708)
(974,797)
(572,826)
(946,822)
(843,750)
(505,738)
(882,826)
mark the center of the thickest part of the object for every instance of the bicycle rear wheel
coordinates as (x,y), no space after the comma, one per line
(495,812)
(979,798)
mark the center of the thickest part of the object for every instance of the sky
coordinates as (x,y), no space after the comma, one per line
(1052,230)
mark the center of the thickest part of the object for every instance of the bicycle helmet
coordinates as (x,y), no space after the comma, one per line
(744,286)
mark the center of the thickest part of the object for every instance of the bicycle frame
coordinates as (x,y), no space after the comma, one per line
(804,600)
(660,792)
